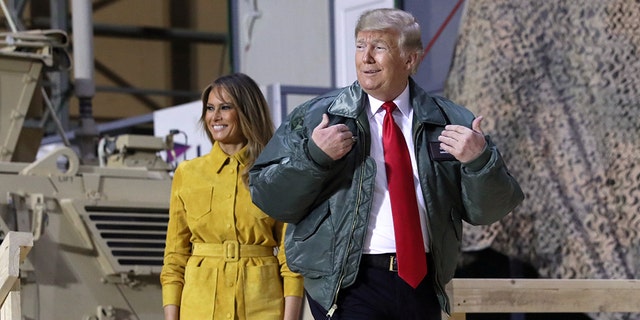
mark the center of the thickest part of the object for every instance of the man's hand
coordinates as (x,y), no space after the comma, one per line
(463,143)
(336,140)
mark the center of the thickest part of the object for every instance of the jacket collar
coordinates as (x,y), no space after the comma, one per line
(425,109)
(351,101)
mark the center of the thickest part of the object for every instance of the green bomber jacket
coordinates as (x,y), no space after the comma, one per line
(327,203)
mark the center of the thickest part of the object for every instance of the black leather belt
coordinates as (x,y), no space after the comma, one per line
(385,261)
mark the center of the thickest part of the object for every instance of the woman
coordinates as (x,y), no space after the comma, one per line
(219,260)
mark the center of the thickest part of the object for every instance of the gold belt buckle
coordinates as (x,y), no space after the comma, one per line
(393,263)
(231,250)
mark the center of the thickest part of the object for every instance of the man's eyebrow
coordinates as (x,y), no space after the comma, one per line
(372,41)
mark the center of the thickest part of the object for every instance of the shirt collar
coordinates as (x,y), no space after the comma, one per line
(220,159)
(401,101)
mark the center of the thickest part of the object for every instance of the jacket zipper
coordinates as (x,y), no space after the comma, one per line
(441,291)
(334,306)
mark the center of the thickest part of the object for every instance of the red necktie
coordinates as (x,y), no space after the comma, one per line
(412,262)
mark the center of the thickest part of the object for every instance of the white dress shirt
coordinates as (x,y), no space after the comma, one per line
(380,236)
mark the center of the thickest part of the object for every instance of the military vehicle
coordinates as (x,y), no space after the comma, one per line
(99,230)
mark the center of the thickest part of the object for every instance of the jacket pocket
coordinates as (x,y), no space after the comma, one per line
(309,225)
(197,201)
(199,292)
(263,292)
(310,244)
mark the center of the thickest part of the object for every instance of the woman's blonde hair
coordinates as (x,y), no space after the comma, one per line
(253,113)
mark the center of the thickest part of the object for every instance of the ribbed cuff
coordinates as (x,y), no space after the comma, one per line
(317,155)
(478,163)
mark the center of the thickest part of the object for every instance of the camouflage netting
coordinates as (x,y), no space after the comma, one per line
(559,85)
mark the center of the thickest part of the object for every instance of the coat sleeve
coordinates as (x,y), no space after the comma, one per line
(178,245)
(489,192)
(287,178)
(292,282)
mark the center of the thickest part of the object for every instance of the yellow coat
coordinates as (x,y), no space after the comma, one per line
(211,206)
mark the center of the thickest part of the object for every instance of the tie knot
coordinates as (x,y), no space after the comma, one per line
(389,106)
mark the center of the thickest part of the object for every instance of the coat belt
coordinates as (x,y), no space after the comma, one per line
(231,250)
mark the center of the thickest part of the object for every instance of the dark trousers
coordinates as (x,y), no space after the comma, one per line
(379,294)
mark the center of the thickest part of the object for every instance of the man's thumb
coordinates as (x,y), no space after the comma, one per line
(325,121)
(476,124)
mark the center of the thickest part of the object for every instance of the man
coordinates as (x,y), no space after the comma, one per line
(331,172)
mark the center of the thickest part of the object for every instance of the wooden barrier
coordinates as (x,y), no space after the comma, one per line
(13,251)
(542,296)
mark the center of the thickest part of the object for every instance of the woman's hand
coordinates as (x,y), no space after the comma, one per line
(292,307)
(171,312)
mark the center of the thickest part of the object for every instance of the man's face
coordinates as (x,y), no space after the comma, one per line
(382,71)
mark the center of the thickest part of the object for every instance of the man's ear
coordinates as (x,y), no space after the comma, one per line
(412,60)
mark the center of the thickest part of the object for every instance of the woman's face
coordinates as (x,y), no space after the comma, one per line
(223,122)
